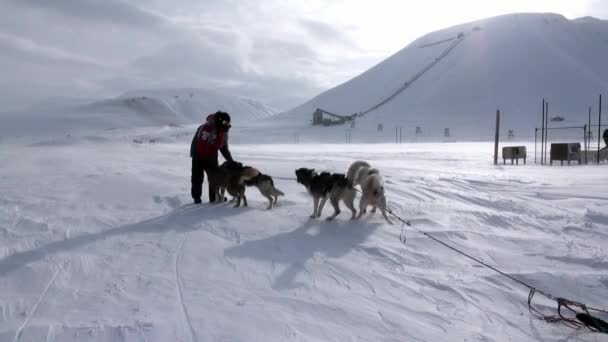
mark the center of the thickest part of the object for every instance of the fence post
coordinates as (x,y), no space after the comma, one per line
(496,137)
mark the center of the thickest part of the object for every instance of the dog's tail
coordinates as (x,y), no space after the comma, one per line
(278,192)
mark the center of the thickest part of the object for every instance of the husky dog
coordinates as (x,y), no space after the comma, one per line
(265,184)
(359,171)
(354,169)
(326,185)
(373,194)
(231,177)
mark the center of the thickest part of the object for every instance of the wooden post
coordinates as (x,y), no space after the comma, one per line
(599,130)
(496,137)
(542,134)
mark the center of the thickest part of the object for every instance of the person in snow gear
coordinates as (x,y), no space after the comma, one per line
(605,136)
(209,138)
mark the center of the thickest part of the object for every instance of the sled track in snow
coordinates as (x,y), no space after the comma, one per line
(180,296)
(28,317)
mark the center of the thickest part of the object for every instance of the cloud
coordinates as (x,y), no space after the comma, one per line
(113,11)
(24,48)
(327,33)
(599,8)
(280,52)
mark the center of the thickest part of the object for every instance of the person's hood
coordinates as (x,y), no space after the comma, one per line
(210,118)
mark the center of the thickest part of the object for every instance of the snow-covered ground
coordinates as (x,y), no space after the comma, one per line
(99,242)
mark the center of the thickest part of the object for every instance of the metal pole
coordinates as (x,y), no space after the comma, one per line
(542,138)
(535,138)
(599,128)
(396,128)
(585,142)
(546,129)
(589,130)
(496,137)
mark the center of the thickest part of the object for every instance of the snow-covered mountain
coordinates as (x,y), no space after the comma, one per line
(193,104)
(456,78)
(139,108)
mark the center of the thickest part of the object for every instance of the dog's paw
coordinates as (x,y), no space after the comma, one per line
(313,216)
(329,219)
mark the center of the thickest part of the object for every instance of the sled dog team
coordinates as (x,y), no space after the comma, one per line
(234,177)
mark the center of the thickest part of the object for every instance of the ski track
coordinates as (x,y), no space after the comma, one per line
(180,295)
(35,308)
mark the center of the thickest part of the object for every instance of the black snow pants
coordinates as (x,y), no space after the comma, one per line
(199,167)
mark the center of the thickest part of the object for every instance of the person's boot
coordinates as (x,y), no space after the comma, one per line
(197,201)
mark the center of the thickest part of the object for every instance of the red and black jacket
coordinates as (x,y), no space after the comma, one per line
(208,140)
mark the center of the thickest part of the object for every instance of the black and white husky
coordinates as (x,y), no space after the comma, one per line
(334,186)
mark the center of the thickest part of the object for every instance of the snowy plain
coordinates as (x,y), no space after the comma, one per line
(99,242)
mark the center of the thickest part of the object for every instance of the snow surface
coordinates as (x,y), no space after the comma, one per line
(508,62)
(99,242)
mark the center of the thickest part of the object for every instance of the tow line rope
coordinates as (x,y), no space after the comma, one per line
(582,316)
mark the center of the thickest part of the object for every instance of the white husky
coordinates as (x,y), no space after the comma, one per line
(373,194)
(359,171)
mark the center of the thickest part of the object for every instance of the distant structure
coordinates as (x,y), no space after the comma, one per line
(380,127)
(510,135)
(418,130)
(446,132)
(322,117)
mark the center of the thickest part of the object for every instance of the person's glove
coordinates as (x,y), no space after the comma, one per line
(233,164)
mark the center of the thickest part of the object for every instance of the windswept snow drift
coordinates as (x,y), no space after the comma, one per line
(508,62)
(98,242)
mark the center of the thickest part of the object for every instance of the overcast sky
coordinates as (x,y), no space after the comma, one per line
(281,52)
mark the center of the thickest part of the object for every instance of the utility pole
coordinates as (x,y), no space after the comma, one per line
(542,134)
(496,137)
